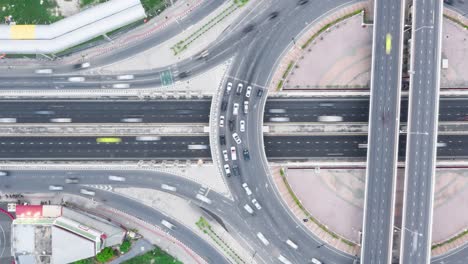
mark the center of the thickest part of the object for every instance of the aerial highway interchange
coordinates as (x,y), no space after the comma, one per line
(238,114)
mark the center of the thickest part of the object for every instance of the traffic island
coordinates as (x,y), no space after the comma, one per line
(340,186)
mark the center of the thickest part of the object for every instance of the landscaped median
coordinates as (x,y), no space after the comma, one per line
(205,227)
(309,216)
(183,44)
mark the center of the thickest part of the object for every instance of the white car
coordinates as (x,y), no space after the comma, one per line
(87,192)
(227,170)
(60,120)
(125,77)
(248,209)
(228,87)
(44,71)
(3,173)
(235,109)
(76,79)
(116,178)
(85,65)
(246,107)
(121,85)
(225,155)
(248,91)
(132,120)
(233,153)
(236,138)
(72,180)
(247,189)
(256,204)
(316,261)
(221,121)
(242,126)
(55,188)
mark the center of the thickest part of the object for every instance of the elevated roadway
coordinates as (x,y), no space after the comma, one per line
(426,45)
(384,122)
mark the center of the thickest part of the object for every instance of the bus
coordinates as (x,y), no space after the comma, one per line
(388,43)
(108,140)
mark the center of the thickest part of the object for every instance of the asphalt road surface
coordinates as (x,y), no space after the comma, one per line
(422,132)
(198,111)
(197,147)
(383,132)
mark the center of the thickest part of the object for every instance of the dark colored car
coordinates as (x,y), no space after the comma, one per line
(224,106)
(231,125)
(235,170)
(259,92)
(246,154)
(222,140)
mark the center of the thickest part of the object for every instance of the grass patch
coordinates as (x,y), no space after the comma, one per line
(462,234)
(29,11)
(183,44)
(279,86)
(206,228)
(155,256)
(311,218)
(288,69)
(329,25)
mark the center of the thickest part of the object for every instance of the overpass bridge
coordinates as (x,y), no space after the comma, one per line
(416,231)
(384,122)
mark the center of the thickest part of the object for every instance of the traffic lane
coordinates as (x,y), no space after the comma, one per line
(107,111)
(197,111)
(421,148)
(59,148)
(276,147)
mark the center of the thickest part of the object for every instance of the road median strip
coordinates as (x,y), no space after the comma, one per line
(183,44)
(205,227)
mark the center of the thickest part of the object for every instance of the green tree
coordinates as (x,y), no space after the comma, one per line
(125,247)
(105,255)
